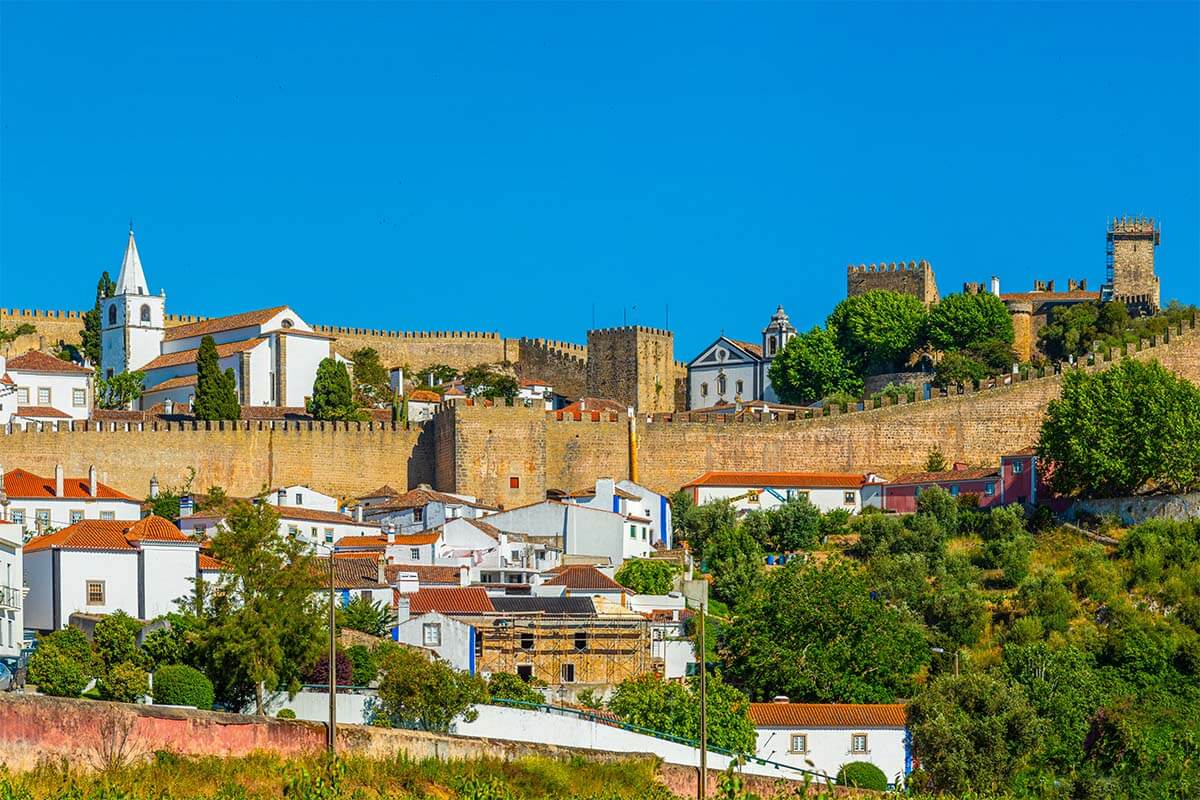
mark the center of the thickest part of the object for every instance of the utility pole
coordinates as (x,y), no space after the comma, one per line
(331,733)
(702,783)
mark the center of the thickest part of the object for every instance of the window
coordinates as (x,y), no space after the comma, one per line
(76,516)
(514,482)
(299,499)
(110,374)
(313,531)
(568,673)
(633,531)
(990,488)
(848,498)
(526,641)
(1018,467)
(17,516)
(293,531)
(954,490)
(737,387)
(643,534)
(771,345)
(418,514)
(478,644)
(95,593)
(515,577)
(112,315)
(145,313)
(525,672)
(23,396)
(704,389)
(414,553)
(917,492)
(78,397)
(200,529)
(721,385)
(108,515)
(43,396)
(286,323)
(858,743)
(431,634)
(799,743)
(42,517)
(580,641)
(329,536)
(368,595)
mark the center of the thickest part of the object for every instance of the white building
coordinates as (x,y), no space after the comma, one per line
(418,509)
(304,514)
(12,597)
(637,503)
(104,566)
(729,370)
(273,352)
(581,529)
(832,734)
(40,504)
(37,387)
(761,491)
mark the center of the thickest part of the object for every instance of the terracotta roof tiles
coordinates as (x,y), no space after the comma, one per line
(947,476)
(463,600)
(40,412)
(827,715)
(233,322)
(104,534)
(37,361)
(20,484)
(801,480)
(173,383)
(583,576)
(426,573)
(189,356)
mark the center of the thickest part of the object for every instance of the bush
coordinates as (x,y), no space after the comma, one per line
(63,663)
(318,672)
(862,775)
(646,576)
(124,683)
(115,638)
(507,686)
(365,666)
(285,713)
(180,685)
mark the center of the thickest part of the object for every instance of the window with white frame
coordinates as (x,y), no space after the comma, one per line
(414,553)
(799,743)
(721,385)
(704,389)
(112,515)
(43,395)
(95,593)
(848,498)
(23,396)
(568,673)
(299,499)
(1018,467)
(738,387)
(76,515)
(17,516)
(42,518)
(431,634)
(329,536)
(858,743)
(78,398)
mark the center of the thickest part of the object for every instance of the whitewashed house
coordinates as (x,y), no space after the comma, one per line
(418,509)
(37,387)
(729,370)
(273,352)
(752,491)
(12,596)
(832,734)
(637,503)
(104,566)
(41,504)
(581,529)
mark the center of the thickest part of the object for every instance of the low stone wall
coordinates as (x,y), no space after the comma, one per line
(1132,510)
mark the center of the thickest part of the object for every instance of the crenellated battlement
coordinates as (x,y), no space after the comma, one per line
(36,314)
(338,330)
(1135,226)
(632,328)
(893,266)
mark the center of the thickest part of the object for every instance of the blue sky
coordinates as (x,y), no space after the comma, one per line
(522,167)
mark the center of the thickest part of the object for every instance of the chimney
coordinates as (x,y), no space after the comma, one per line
(403,610)
(382,573)
(154,487)
(92,481)
(780,698)
(995,283)
(464,576)
(58,480)
(185,506)
(358,513)
(959,466)
(281,497)
(168,406)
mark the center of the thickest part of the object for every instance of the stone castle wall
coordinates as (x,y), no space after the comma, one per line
(634,365)
(915,278)
(1133,241)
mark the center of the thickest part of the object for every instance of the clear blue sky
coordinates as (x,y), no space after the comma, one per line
(508,167)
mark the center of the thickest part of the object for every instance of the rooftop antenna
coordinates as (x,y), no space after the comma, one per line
(131,226)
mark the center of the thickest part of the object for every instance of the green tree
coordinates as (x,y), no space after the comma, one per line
(958,369)
(372,386)
(1073,329)
(332,397)
(935,461)
(125,682)
(942,506)
(115,640)
(698,523)
(483,381)
(181,685)
(1127,428)
(507,686)
(89,336)
(878,330)
(364,665)
(427,695)
(361,614)
(10,335)
(965,321)
(973,732)
(63,663)
(811,367)
(120,391)
(669,707)
(261,622)
(816,633)
(433,375)
(647,575)
(216,392)
(1065,690)
(735,560)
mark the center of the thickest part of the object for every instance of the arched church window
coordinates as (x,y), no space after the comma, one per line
(145,313)
(721,385)
(286,323)
(704,389)
(112,315)
(739,386)
(771,345)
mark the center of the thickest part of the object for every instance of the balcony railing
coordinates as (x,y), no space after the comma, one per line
(10,597)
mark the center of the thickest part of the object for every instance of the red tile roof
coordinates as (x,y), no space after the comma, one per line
(827,715)
(19,484)
(946,476)
(349,573)
(417,539)
(750,347)
(382,491)
(41,412)
(317,515)
(174,383)
(421,497)
(373,542)
(485,527)
(800,480)
(592,407)
(209,563)
(218,324)
(463,600)
(105,534)
(583,576)
(426,573)
(189,356)
(37,361)
(424,396)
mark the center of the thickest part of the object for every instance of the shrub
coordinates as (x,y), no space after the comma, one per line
(318,672)
(646,576)
(124,683)
(116,640)
(285,713)
(181,685)
(63,663)
(365,666)
(862,775)
(507,686)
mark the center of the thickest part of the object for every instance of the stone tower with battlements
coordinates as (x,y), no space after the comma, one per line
(633,365)
(1130,251)
(915,278)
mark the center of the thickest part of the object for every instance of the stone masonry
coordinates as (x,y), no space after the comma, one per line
(633,365)
(915,278)
(1131,243)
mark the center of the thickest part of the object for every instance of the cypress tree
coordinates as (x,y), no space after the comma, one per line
(89,337)
(216,393)
(332,395)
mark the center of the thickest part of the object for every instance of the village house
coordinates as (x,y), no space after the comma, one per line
(583,580)
(273,352)
(581,529)
(637,503)
(729,371)
(760,491)
(824,736)
(104,566)
(37,387)
(422,404)
(12,595)
(41,504)
(1016,480)
(419,509)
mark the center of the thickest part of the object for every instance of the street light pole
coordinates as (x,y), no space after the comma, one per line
(331,733)
(702,783)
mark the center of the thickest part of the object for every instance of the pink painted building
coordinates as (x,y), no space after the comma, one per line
(1016,480)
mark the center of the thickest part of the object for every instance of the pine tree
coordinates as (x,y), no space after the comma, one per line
(332,397)
(89,337)
(216,393)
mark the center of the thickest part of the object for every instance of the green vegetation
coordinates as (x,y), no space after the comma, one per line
(372,386)
(483,381)
(9,335)
(862,775)
(181,685)
(89,336)
(878,330)
(427,695)
(647,575)
(507,686)
(119,391)
(1082,328)
(332,396)
(811,366)
(216,392)
(670,707)
(363,615)
(63,663)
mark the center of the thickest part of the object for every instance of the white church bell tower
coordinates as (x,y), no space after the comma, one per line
(132,320)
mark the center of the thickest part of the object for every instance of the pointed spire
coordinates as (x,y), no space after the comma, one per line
(131,280)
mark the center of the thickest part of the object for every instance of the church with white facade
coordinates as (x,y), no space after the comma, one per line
(732,371)
(273,353)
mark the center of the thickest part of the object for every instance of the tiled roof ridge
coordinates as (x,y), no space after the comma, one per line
(37,361)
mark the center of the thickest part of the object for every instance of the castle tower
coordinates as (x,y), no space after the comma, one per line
(132,320)
(633,365)
(1130,245)
(1021,313)
(777,333)
(915,278)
